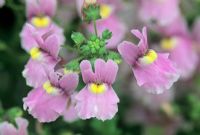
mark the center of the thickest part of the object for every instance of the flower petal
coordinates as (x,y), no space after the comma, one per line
(86,71)
(129,52)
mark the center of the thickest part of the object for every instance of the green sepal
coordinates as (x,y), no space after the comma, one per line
(91,13)
(114,56)
(106,34)
(78,38)
(73,65)
(13,113)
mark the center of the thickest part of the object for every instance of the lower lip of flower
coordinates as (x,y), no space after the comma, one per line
(40,22)
(148,58)
(97,88)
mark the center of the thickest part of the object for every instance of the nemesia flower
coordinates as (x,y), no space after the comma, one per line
(180,48)
(97,98)
(8,129)
(153,71)
(29,31)
(2,2)
(44,56)
(158,11)
(49,101)
(40,7)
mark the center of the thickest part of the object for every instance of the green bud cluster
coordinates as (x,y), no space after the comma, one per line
(94,47)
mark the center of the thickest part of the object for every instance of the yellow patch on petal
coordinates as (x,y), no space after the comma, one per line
(105,11)
(148,58)
(35,53)
(168,44)
(49,88)
(97,88)
(40,22)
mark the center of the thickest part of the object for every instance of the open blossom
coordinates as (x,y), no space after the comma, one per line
(29,31)
(158,11)
(182,53)
(97,98)
(44,57)
(8,129)
(50,100)
(153,71)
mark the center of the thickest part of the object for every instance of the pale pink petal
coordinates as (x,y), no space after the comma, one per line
(69,82)
(8,129)
(102,106)
(86,71)
(45,107)
(158,76)
(129,52)
(105,71)
(143,44)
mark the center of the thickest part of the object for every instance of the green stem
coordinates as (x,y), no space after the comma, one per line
(95,27)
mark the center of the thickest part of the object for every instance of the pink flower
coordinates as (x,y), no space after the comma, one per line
(182,53)
(40,7)
(153,71)
(8,129)
(44,56)
(97,98)
(29,32)
(49,101)
(162,12)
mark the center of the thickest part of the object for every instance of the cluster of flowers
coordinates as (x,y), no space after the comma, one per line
(53,93)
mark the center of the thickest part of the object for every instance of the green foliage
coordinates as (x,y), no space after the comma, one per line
(91,13)
(78,38)
(106,34)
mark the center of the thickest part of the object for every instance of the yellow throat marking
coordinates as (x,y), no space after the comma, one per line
(105,11)
(40,22)
(148,58)
(49,88)
(35,53)
(168,44)
(97,88)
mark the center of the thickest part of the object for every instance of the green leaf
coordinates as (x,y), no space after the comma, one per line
(78,38)
(106,34)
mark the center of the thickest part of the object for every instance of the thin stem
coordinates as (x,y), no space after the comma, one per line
(95,27)
(39,129)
